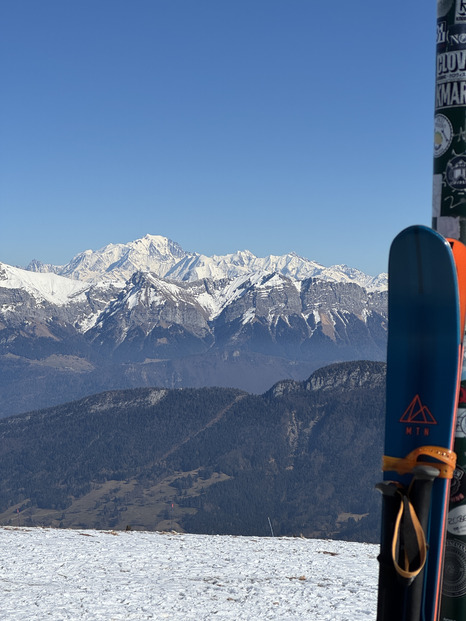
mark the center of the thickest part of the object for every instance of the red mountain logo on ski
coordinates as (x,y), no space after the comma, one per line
(418,413)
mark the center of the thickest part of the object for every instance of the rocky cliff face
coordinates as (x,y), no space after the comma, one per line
(348,376)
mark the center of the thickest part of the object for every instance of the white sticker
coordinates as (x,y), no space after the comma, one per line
(456,523)
(460,423)
(460,11)
(443,134)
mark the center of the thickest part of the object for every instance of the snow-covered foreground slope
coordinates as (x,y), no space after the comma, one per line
(76,575)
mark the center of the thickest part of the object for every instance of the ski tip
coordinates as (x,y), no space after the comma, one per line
(422,230)
(459,256)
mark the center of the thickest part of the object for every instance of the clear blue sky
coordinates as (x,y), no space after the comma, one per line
(268,125)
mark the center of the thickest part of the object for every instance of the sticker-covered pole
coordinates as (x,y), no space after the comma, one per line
(449,219)
(449,186)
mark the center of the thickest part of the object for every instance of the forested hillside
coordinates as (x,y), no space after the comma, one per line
(305,455)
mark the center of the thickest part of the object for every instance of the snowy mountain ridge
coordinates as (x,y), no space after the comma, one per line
(148,312)
(167,259)
(143,289)
(43,286)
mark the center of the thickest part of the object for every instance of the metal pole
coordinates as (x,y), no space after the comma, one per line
(449,186)
(449,219)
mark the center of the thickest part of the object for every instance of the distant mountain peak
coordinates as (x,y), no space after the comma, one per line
(118,262)
(158,245)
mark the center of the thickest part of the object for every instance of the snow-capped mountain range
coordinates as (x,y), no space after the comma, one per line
(150,313)
(166,259)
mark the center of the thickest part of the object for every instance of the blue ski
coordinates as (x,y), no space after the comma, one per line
(423,364)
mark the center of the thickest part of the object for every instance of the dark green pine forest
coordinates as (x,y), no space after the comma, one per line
(304,455)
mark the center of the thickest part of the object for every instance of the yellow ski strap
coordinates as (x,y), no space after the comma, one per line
(409,547)
(445,461)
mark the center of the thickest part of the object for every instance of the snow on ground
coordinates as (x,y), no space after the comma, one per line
(107,575)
